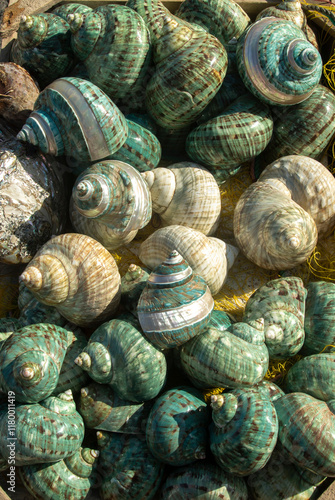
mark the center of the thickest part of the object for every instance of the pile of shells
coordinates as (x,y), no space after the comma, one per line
(120,129)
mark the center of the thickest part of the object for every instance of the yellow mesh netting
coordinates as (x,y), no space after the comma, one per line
(278,370)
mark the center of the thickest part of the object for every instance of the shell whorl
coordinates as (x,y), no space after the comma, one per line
(32,30)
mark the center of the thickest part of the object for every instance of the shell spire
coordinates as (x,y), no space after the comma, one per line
(32,30)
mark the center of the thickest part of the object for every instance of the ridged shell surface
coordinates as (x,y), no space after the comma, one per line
(177,427)
(319,317)
(286,9)
(78,276)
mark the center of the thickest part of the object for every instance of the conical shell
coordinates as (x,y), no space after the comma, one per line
(71,8)
(210,258)
(78,276)
(286,9)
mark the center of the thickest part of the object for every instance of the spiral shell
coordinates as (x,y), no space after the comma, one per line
(71,8)
(185,194)
(78,276)
(276,62)
(132,285)
(208,257)
(287,9)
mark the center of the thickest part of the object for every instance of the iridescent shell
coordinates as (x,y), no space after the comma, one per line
(319,317)
(185,194)
(203,480)
(238,134)
(98,129)
(71,8)
(236,357)
(66,479)
(244,431)
(110,202)
(48,431)
(286,9)
(208,257)
(118,354)
(31,359)
(278,219)
(175,305)
(177,427)
(281,302)
(276,62)
(102,409)
(224,19)
(307,432)
(132,285)
(128,469)
(78,276)
(43,47)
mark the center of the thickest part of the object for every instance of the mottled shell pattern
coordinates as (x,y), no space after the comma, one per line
(175,305)
(78,276)
(276,62)
(286,9)
(110,202)
(278,219)
(177,427)
(208,257)
(132,285)
(71,8)
(319,317)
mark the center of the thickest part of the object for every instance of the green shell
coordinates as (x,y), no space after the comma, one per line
(281,302)
(319,317)
(203,480)
(128,470)
(32,311)
(31,360)
(48,431)
(119,355)
(220,320)
(177,427)
(71,8)
(65,480)
(236,357)
(132,285)
(268,390)
(307,432)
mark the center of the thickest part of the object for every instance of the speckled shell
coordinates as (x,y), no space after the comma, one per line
(281,302)
(112,40)
(67,479)
(175,305)
(293,198)
(319,317)
(78,276)
(234,358)
(177,427)
(98,129)
(71,8)
(244,431)
(132,285)
(48,431)
(286,9)
(238,134)
(32,201)
(307,432)
(110,202)
(208,257)
(203,480)
(102,409)
(185,194)
(224,19)
(118,354)
(31,359)
(43,47)
(128,469)
(276,62)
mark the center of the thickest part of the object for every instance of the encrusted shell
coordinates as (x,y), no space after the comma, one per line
(319,317)
(78,276)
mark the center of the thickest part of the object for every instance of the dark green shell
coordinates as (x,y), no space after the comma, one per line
(205,481)
(132,285)
(268,390)
(177,427)
(319,317)
(128,470)
(32,311)
(71,8)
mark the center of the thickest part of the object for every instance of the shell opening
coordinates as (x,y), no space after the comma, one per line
(32,278)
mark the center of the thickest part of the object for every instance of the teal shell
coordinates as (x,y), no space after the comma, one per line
(98,129)
(319,317)
(65,480)
(307,432)
(132,285)
(220,320)
(48,431)
(128,469)
(244,430)
(43,47)
(144,120)
(101,408)
(175,305)
(276,62)
(314,375)
(113,42)
(238,134)
(71,8)
(281,302)
(236,357)
(224,19)
(268,390)
(177,427)
(31,359)
(32,311)
(203,480)
(119,355)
